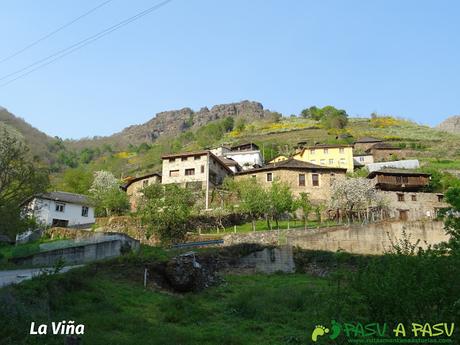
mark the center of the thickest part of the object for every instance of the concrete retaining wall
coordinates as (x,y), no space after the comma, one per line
(83,252)
(361,239)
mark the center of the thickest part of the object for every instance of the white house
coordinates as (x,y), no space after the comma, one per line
(60,209)
(247,155)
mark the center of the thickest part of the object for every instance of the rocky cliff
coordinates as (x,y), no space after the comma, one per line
(176,121)
(451,124)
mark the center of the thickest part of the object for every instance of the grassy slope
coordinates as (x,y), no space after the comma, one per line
(108,297)
(256,309)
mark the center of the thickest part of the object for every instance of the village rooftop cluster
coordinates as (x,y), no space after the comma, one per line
(312,169)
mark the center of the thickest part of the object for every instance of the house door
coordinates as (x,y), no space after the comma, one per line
(403,215)
(61,223)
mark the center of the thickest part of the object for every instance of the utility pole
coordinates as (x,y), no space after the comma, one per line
(207,181)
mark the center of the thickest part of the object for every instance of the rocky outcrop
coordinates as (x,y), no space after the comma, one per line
(451,124)
(176,121)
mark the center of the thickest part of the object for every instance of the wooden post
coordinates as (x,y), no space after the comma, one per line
(234,229)
(145,277)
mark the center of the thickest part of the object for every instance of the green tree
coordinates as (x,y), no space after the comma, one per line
(20,178)
(333,118)
(303,202)
(280,200)
(240,124)
(165,210)
(313,113)
(228,123)
(77,180)
(253,199)
(452,221)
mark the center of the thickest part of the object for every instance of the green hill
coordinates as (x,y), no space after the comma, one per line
(138,149)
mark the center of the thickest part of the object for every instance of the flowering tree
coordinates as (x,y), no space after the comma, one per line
(355,195)
(106,194)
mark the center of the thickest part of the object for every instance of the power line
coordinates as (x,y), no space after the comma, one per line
(48,35)
(70,49)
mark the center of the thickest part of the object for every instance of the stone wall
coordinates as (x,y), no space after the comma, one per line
(319,193)
(416,205)
(361,239)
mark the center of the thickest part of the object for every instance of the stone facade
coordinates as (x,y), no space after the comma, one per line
(196,170)
(133,188)
(364,144)
(387,154)
(413,205)
(314,180)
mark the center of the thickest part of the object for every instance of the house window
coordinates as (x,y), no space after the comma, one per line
(312,151)
(342,161)
(269,177)
(414,197)
(322,162)
(361,159)
(202,169)
(189,172)
(171,160)
(197,158)
(60,207)
(331,161)
(183,159)
(173,173)
(326,151)
(342,150)
(405,179)
(302,180)
(84,211)
(398,179)
(440,197)
(315,180)
(400,197)
(145,183)
(332,179)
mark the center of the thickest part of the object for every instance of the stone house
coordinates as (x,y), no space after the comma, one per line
(60,209)
(333,156)
(301,176)
(363,144)
(135,185)
(408,206)
(199,170)
(383,152)
(403,191)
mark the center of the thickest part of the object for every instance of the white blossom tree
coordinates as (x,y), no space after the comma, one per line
(355,196)
(106,194)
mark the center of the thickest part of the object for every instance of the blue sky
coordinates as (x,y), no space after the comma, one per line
(389,56)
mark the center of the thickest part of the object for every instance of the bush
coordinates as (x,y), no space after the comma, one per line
(409,288)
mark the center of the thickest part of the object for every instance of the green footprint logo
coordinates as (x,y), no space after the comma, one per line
(318,332)
(335,330)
